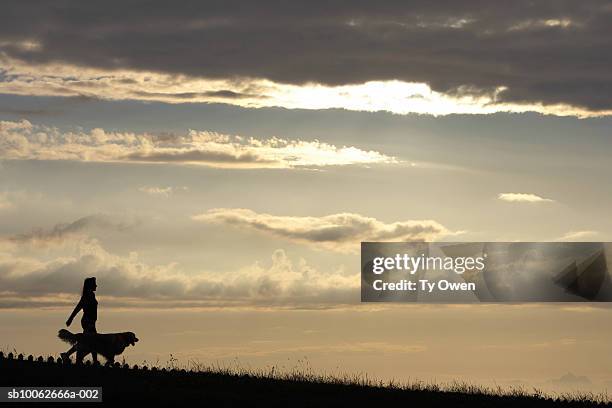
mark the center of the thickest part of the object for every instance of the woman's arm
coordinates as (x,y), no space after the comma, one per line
(76,310)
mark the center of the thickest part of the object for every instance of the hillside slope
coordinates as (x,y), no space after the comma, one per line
(218,389)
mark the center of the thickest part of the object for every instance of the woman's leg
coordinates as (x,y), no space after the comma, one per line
(90,328)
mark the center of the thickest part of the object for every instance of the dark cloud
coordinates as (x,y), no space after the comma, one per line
(337,231)
(553,51)
(27,112)
(224,94)
(63,231)
(197,156)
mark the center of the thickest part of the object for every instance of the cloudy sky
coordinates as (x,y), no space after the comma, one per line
(216,165)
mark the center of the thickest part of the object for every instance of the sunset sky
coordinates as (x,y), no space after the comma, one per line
(216,166)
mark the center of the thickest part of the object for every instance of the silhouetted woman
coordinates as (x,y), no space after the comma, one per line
(89,305)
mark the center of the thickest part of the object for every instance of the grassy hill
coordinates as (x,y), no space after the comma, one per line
(224,388)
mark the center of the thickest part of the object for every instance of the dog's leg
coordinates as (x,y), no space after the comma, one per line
(80,355)
(94,356)
(67,354)
(82,352)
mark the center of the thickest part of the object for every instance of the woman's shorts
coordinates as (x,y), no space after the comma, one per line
(88,327)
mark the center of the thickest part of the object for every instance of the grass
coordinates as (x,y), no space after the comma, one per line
(303,373)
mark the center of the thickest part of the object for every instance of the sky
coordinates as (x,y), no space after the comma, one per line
(216,166)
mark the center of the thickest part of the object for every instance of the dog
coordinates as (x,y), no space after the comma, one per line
(108,345)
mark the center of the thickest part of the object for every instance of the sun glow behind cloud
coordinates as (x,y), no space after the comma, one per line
(393,96)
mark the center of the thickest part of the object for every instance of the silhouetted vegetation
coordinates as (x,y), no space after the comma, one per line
(218,386)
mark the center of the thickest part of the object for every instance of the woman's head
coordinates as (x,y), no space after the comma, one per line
(89,285)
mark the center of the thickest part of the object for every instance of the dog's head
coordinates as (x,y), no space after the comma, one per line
(129,338)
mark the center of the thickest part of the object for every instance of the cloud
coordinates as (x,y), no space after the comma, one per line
(578,235)
(571,380)
(523,198)
(65,231)
(28,281)
(546,53)
(24,141)
(46,266)
(341,232)
(161,191)
(388,95)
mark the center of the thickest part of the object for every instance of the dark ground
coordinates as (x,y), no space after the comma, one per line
(215,389)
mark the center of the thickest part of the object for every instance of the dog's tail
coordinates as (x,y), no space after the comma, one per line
(66,336)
